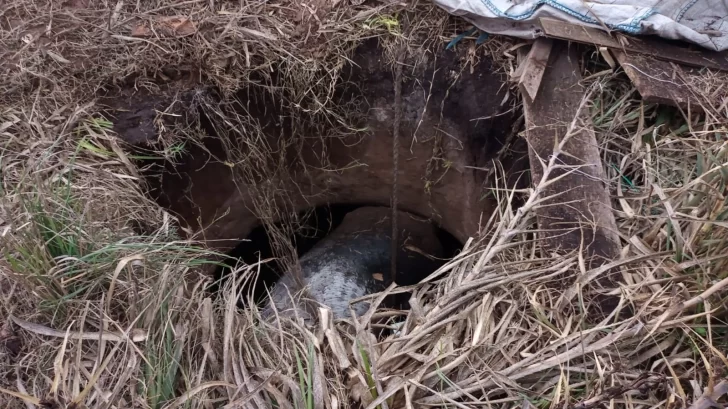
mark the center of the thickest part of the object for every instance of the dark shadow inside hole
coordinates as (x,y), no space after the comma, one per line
(317,225)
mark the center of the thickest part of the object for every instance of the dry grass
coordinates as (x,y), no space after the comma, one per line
(127,320)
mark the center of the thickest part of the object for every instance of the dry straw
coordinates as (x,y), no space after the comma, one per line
(94,314)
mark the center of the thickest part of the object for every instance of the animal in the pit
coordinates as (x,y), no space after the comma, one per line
(354,261)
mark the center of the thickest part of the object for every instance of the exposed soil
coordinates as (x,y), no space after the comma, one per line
(456,118)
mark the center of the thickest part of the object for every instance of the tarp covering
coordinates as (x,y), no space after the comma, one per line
(703,22)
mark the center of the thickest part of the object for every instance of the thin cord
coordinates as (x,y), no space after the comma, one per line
(395,160)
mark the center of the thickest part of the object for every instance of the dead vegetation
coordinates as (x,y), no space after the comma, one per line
(95,314)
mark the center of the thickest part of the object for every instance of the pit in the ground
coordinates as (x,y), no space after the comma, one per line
(264,153)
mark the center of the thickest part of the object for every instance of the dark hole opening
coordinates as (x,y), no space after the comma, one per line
(320,222)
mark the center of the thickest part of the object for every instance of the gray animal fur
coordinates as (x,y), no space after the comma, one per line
(341,266)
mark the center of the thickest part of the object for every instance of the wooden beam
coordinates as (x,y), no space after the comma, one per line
(656,48)
(580,215)
(659,81)
(534,67)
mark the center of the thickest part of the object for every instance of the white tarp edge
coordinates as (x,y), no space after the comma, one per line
(703,22)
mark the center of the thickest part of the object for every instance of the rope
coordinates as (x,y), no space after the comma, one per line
(395,159)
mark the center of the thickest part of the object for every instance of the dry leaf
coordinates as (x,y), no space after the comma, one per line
(174,26)
(179,26)
(141,30)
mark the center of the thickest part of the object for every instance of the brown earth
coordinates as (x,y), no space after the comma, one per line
(456,118)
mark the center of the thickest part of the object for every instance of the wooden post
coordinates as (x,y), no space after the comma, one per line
(580,216)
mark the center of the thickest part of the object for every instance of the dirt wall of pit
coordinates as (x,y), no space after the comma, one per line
(457,143)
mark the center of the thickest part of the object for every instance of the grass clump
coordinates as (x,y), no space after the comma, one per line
(96,313)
